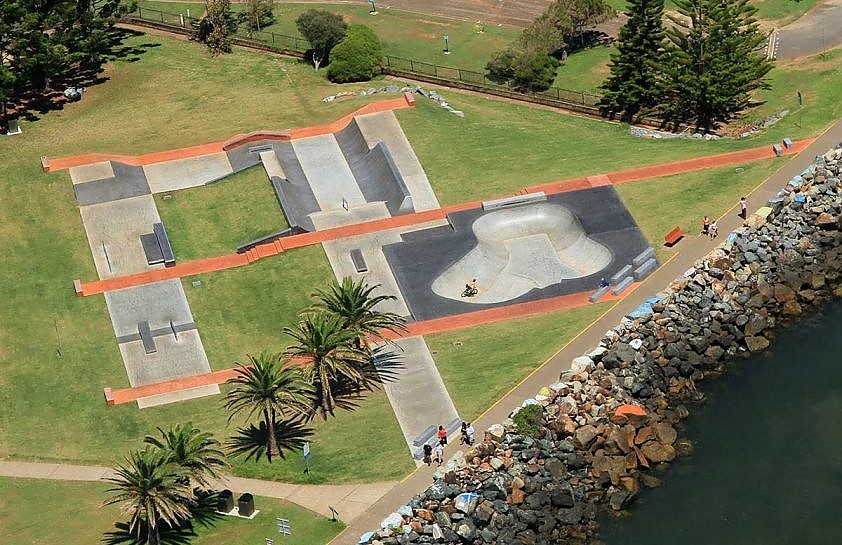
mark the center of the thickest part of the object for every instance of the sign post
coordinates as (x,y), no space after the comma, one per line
(306,451)
(446,45)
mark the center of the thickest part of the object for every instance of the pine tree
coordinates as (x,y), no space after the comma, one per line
(636,68)
(713,64)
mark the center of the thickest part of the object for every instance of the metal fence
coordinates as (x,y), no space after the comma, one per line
(398,66)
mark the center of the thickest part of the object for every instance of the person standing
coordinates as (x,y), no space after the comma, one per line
(705,225)
(439,452)
(442,435)
(713,229)
(469,431)
(743,208)
(428,454)
(464,437)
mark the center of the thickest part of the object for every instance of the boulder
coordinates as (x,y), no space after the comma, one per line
(756,344)
(657,452)
(584,435)
(665,433)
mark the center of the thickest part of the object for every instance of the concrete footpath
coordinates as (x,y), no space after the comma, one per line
(348,500)
(689,250)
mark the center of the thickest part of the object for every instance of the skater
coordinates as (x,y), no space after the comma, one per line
(470,288)
(439,451)
(428,454)
(442,435)
(603,283)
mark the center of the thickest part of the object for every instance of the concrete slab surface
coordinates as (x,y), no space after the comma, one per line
(128,181)
(191,172)
(328,173)
(419,396)
(156,303)
(114,229)
(384,126)
(357,213)
(174,359)
(420,260)
(91,172)
(175,397)
(816,31)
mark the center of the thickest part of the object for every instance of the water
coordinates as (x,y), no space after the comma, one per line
(767,466)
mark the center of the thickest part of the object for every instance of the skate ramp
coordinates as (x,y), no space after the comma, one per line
(327,171)
(190,172)
(521,249)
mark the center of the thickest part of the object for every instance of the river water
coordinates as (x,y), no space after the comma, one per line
(767,464)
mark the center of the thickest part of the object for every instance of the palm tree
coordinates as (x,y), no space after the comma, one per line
(330,355)
(355,303)
(195,451)
(272,389)
(151,491)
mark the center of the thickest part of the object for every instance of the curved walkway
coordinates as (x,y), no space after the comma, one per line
(349,500)
(816,31)
(688,251)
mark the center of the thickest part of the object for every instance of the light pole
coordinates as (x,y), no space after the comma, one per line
(373,10)
(446,46)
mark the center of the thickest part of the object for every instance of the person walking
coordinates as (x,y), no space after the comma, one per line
(442,435)
(743,208)
(469,431)
(713,229)
(439,452)
(428,454)
(464,437)
(705,225)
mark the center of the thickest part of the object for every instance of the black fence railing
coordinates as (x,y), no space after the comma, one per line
(581,101)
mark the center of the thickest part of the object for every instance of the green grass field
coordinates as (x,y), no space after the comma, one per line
(38,512)
(214,219)
(492,359)
(402,34)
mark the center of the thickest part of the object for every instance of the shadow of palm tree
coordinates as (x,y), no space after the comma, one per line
(252,441)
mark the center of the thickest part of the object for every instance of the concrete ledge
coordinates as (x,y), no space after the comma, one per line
(517,200)
(45,163)
(643,257)
(619,275)
(621,287)
(109,396)
(645,269)
(595,296)
(77,286)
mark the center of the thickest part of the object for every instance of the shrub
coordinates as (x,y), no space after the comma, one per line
(529,420)
(357,57)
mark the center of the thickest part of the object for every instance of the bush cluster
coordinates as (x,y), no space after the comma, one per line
(357,57)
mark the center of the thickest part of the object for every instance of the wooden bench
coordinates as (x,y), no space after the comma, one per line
(359,261)
(673,236)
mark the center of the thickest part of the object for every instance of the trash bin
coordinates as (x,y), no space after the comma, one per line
(225,502)
(245,503)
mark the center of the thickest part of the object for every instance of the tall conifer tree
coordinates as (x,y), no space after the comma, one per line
(714,62)
(635,70)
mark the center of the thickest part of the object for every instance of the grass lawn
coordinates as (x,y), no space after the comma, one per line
(493,358)
(242,311)
(40,512)
(683,200)
(585,70)
(403,34)
(214,219)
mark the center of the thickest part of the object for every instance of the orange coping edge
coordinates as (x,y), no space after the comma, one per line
(426,327)
(61,163)
(305,239)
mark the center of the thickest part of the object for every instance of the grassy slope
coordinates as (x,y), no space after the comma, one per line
(402,34)
(38,512)
(215,219)
(493,358)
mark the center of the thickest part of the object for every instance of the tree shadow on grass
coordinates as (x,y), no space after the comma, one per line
(31,104)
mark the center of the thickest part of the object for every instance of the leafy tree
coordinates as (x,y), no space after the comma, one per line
(216,26)
(713,64)
(7,87)
(332,360)
(636,69)
(356,304)
(562,21)
(152,492)
(323,30)
(258,13)
(357,57)
(195,451)
(527,70)
(269,388)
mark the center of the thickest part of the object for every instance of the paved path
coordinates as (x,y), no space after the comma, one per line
(349,500)
(689,250)
(816,31)
(336,233)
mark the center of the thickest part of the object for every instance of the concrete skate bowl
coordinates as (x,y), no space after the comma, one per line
(521,249)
